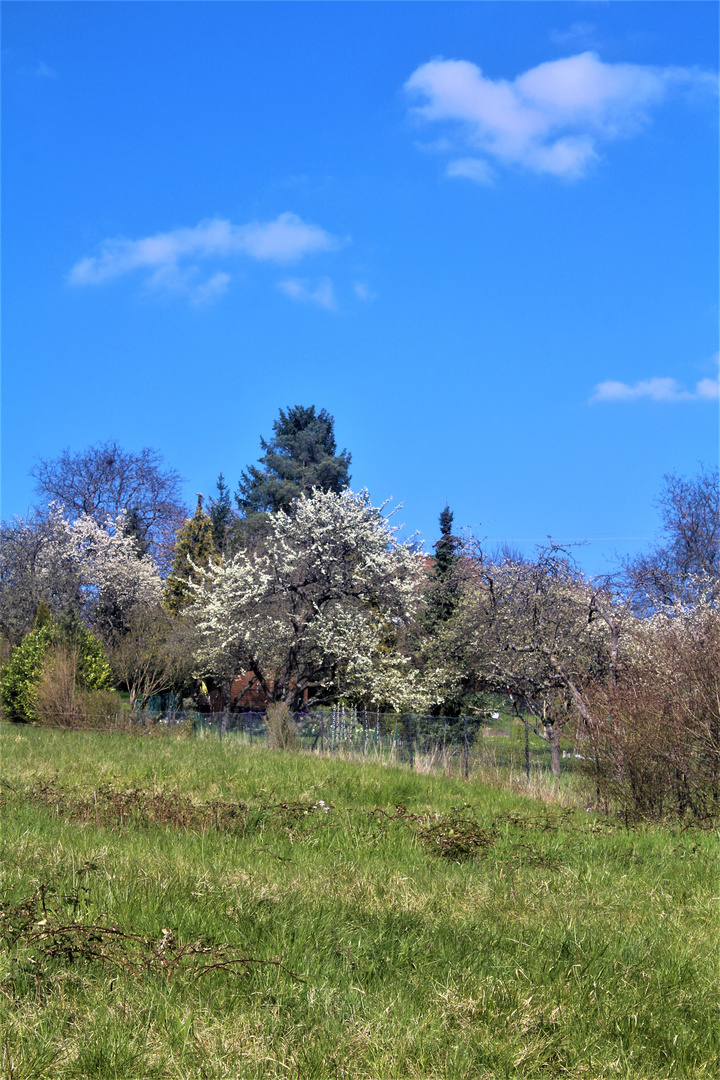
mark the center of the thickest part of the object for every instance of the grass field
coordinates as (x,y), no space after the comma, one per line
(178,909)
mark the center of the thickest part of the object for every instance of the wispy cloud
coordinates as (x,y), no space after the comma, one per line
(170,260)
(363,291)
(211,289)
(552,119)
(476,169)
(580,33)
(320,294)
(657,389)
(44,71)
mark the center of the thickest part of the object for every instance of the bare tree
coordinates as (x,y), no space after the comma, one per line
(686,562)
(154,655)
(105,481)
(535,630)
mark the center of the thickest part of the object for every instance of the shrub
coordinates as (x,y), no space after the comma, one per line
(281,727)
(62,697)
(22,673)
(48,661)
(655,742)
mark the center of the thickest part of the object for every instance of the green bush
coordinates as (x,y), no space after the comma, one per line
(22,673)
(30,661)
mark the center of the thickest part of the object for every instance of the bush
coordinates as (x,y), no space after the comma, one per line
(655,742)
(22,673)
(50,660)
(281,727)
(62,697)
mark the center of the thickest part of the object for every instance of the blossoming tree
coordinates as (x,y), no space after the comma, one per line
(316,611)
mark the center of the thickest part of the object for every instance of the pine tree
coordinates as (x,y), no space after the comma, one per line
(301,456)
(194,544)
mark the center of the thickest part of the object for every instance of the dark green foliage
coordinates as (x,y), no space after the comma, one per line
(194,545)
(44,616)
(446,556)
(442,593)
(221,515)
(134,527)
(302,455)
(92,670)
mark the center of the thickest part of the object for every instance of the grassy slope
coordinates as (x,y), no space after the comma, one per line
(565,948)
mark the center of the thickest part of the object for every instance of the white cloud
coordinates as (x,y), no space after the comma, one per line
(44,71)
(551,119)
(170,259)
(657,389)
(363,291)
(322,294)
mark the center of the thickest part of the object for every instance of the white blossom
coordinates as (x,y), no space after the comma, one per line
(318,607)
(113,579)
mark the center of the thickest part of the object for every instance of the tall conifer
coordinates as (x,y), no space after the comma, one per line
(194,545)
(302,455)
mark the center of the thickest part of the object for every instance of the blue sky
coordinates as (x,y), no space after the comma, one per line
(484,236)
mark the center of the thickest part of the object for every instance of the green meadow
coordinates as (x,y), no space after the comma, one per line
(180,908)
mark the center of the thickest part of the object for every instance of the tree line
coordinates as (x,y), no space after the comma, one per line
(304,588)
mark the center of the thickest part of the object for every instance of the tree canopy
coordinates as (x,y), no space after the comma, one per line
(105,481)
(301,456)
(686,562)
(316,609)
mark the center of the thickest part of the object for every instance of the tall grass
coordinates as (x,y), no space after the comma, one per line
(377,942)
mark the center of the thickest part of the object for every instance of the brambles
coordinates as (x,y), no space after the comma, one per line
(43,944)
(456,837)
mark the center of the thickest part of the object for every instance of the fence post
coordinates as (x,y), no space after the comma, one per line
(410,740)
(322,731)
(364,729)
(220,715)
(467,748)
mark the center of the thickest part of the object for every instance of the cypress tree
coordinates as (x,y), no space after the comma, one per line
(221,515)
(194,544)
(441,594)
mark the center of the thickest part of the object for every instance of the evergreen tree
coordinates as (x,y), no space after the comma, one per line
(221,515)
(446,548)
(134,527)
(194,544)
(301,456)
(441,594)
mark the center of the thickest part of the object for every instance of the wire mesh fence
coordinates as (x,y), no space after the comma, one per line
(453,744)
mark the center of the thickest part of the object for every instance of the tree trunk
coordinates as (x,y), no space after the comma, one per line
(555,749)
